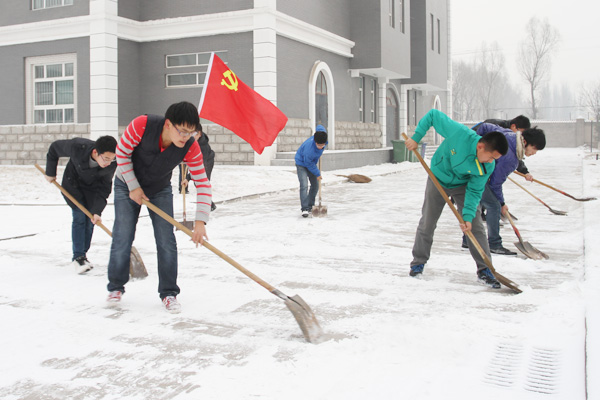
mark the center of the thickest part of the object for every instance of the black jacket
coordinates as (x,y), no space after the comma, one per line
(153,167)
(90,186)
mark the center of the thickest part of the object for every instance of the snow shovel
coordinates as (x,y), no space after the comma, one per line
(137,269)
(503,280)
(557,212)
(300,310)
(187,224)
(320,210)
(525,247)
(559,191)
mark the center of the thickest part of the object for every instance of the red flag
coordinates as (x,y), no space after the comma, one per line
(231,103)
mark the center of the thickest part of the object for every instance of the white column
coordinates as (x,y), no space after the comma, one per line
(382,107)
(265,63)
(403,110)
(104,113)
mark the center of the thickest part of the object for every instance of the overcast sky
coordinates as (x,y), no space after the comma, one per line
(578,21)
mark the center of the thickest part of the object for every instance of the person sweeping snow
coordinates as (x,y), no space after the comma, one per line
(306,158)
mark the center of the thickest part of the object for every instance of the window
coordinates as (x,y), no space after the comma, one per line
(321,100)
(51,90)
(439,37)
(40,4)
(392,13)
(401,19)
(432,32)
(198,61)
(361,99)
(373,100)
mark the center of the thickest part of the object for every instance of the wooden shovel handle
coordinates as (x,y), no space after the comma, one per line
(542,183)
(78,204)
(439,187)
(555,189)
(514,227)
(209,246)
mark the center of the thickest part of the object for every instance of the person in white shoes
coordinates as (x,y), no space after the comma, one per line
(150,148)
(306,159)
(88,178)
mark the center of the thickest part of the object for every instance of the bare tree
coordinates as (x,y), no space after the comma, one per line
(590,99)
(490,72)
(464,91)
(535,56)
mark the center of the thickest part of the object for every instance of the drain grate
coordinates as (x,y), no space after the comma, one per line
(539,374)
(543,371)
(504,366)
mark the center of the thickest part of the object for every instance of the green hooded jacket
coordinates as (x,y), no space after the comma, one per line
(455,161)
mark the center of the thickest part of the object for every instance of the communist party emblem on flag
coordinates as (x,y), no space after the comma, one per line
(229,102)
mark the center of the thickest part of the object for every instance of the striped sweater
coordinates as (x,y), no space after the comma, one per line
(132,137)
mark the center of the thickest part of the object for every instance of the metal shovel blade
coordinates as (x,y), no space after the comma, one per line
(584,198)
(530,251)
(137,269)
(557,212)
(305,317)
(319,211)
(187,224)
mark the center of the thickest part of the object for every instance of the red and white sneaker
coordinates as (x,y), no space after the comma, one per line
(171,304)
(114,296)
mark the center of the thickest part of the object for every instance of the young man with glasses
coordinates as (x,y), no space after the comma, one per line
(150,148)
(87,177)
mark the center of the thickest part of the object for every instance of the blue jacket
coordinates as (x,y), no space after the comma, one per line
(506,164)
(308,155)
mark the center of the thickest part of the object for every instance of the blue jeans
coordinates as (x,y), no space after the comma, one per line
(307,197)
(82,229)
(493,207)
(126,217)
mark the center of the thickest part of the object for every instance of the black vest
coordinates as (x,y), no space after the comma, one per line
(153,168)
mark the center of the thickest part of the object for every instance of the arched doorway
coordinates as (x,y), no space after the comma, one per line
(321,95)
(392,117)
(321,104)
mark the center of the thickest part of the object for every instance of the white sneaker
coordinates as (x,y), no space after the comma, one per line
(114,296)
(171,304)
(305,214)
(82,265)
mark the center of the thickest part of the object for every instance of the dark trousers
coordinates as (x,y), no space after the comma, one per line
(82,229)
(126,217)
(433,206)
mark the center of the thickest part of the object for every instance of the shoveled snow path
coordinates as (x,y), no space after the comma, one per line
(391,336)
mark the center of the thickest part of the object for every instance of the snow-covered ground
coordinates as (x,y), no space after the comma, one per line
(391,336)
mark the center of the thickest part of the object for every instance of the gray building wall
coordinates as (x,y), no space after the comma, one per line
(365,22)
(153,97)
(12,79)
(395,45)
(331,15)
(13,12)
(427,65)
(294,63)
(437,61)
(146,10)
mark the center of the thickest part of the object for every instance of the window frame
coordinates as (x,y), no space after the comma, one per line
(361,98)
(401,16)
(373,101)
(439,36)
(32,64)
(392,13)
(431,22)
(200,72)
(45,6)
